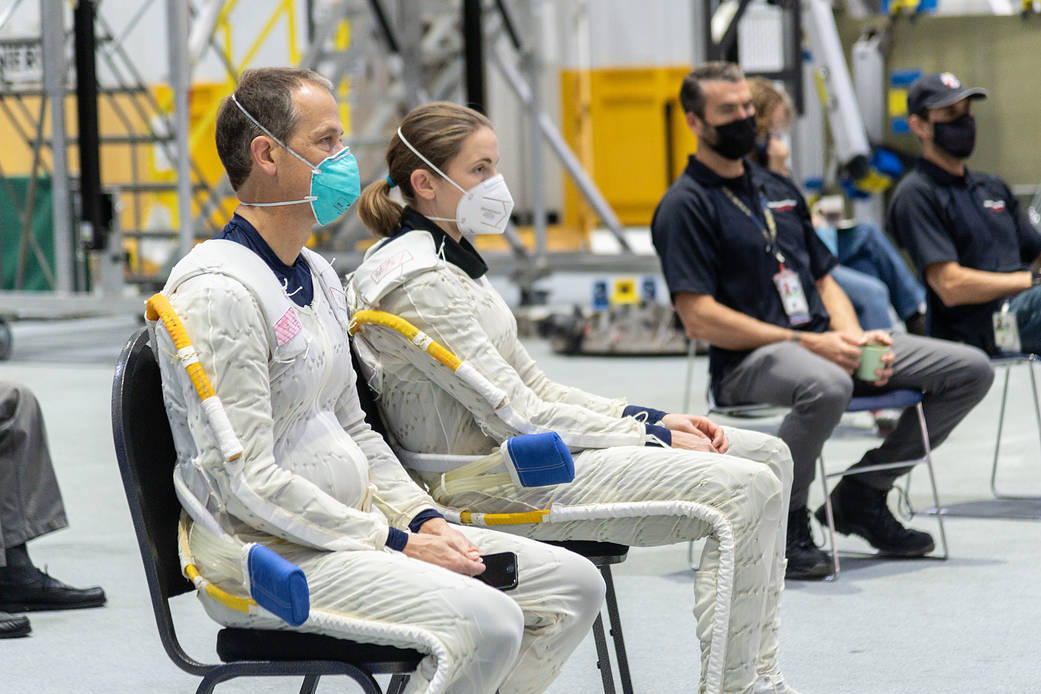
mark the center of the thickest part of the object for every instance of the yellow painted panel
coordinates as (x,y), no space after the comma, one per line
(638,133)
(897,102)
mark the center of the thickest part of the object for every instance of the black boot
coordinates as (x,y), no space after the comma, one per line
(28,589)
(805,559)
(862,510)
(14,625)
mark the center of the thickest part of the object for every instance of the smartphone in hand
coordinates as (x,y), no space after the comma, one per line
(500,570)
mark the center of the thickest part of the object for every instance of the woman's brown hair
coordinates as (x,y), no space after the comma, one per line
(765,98)
(437,130)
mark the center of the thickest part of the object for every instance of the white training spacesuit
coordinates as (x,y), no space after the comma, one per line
(320,488)
(622,492)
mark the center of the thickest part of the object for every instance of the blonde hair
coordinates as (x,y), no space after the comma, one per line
(766,96)
(437,130)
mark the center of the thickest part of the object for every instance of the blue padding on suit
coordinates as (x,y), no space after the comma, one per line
(538,460)
(279,586)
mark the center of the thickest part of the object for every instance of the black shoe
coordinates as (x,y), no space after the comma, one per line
(805,559)
(915,323)
(29,589)
(14,625)
(862,510)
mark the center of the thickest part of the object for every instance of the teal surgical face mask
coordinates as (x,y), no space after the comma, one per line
(335,182)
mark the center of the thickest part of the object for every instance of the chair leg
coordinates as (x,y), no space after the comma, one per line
(1001,423)
(691,353)
(1037,416)
(932,477)
(397,683)
(310,684)
(603,656)
(830,515)
(616,631)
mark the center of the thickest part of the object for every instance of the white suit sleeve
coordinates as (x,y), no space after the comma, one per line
(227,329)
(437,303)
(397,495)
(551,391)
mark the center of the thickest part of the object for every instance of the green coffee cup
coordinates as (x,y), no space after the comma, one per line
(870,361)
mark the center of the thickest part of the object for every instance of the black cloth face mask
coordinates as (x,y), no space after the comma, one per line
(958,137)
(734,139)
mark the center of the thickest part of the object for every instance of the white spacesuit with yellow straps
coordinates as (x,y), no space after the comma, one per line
(623,491)
(319,487)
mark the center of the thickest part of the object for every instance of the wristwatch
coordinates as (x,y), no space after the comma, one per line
(1035,277)
(795,337)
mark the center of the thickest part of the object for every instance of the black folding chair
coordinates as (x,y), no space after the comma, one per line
(146,456)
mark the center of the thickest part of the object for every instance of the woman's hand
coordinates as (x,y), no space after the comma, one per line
(692,442)
(439,543)
(695,424)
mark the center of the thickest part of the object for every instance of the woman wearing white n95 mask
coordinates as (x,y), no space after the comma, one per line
(642,477)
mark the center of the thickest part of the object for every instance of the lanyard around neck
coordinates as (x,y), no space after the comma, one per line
(769,232)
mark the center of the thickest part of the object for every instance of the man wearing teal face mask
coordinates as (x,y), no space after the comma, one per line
(267,322)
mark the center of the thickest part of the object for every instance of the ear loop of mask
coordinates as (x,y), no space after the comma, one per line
(439,171)
(314,169)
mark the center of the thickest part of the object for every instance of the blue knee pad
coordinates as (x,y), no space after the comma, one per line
(278,585)
(538,460)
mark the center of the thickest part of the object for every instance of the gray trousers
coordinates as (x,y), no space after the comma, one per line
(30,502)
(953,378)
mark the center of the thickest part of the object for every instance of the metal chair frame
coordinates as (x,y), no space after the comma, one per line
(1007,362)
(603,555)
(143,440)
(859,405)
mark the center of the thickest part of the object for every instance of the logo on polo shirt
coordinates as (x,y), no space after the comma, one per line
(950,81)
(994,205)
(781,205)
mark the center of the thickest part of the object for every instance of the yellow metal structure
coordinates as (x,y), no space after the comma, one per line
(629,131)
(205,98)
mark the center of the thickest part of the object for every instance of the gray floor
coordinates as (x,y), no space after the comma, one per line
(970,624)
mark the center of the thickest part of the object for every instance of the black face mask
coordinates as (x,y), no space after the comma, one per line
(958,137)
(735,139)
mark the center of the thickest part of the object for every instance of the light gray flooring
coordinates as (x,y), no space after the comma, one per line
(971,624)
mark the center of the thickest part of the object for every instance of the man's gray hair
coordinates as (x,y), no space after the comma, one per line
(267,93)
(692,96)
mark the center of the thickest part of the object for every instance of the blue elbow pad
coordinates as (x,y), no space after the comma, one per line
(538,460)
(279,586)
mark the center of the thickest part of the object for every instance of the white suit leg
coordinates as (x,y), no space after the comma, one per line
(471,631)
(645,496)
(560,594)
(772,451)
(480,639)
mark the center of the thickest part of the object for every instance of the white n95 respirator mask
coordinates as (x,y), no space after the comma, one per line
(484,209)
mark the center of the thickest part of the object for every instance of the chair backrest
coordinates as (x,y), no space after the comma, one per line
(146,456)
(367,399)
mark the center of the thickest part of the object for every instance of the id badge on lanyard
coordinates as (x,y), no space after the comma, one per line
(789,287)
(793,298)
(1006,331)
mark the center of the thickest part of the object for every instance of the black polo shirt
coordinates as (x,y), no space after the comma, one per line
(972,220)
(708,245)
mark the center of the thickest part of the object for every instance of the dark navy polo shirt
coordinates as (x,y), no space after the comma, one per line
(708,245)
(972,220)
(295,278)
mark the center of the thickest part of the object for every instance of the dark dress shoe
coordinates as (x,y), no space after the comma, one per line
(29,589)
(14,625)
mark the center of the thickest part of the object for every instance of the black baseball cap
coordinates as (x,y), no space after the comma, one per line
(938,90)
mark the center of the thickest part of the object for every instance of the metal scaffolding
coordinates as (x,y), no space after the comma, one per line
(383,56)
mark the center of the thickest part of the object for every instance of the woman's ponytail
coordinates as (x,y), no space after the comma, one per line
(378,212)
